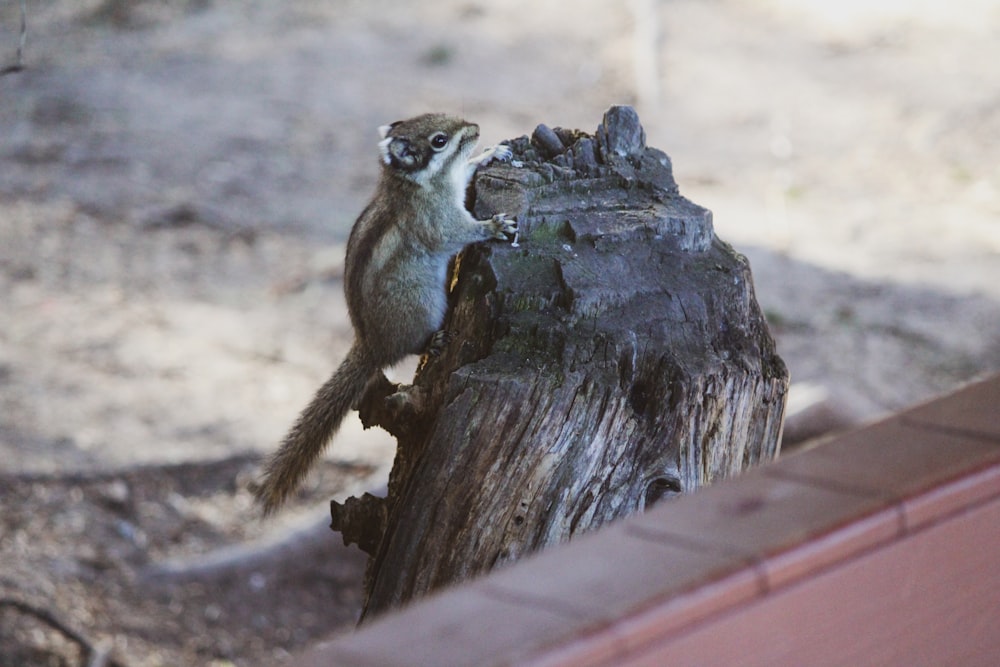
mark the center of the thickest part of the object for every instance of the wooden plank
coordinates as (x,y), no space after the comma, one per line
(932,598)
(972,409)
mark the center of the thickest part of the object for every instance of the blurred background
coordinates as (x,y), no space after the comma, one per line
(177,181)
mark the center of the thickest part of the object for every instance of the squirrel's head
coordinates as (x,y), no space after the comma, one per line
(422,147)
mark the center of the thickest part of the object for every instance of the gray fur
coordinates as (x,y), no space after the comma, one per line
(394,275)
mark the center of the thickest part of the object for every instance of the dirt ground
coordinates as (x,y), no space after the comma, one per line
(177,181)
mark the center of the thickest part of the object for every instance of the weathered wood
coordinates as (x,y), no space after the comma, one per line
(614,357)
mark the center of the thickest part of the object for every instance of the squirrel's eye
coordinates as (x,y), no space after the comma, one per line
(439,141)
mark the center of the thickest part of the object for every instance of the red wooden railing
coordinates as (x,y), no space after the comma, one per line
(879,547)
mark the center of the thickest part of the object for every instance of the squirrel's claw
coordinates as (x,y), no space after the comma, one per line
(502,226)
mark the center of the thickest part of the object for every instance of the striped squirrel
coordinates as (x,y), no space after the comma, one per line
(394,276)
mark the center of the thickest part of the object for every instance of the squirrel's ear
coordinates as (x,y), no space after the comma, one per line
(398,153)
(384,129)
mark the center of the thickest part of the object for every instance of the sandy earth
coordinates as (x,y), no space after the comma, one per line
(177,181)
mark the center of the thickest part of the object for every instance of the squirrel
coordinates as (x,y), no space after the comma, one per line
(394,276)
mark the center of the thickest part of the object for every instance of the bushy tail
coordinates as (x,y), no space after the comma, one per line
(287,467)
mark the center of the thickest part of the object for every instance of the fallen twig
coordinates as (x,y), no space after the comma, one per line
(94,656)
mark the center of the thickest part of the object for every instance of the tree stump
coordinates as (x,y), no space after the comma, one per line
(615,356)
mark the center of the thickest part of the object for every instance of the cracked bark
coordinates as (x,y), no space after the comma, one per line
(616,357)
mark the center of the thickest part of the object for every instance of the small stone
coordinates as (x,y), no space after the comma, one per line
(115,494)
(547,142)
(620,134)
(585,155)
(567,136)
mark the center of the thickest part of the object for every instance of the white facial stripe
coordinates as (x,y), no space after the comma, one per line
(461,174)
(383,130)
(383,149)
(445,155)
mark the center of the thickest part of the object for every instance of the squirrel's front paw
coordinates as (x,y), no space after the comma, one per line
(500,226)
(499,153)
(502,152)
